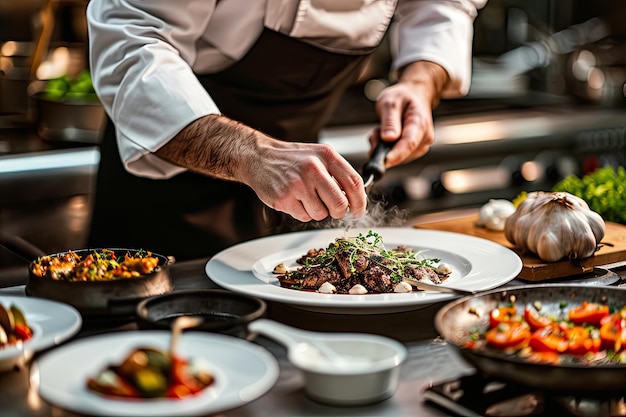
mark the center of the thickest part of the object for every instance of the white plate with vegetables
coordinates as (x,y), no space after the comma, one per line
(476,264)
(50,323)
(241,371)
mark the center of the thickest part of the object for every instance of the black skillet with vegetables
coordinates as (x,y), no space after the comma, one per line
(100,281)
(557,337)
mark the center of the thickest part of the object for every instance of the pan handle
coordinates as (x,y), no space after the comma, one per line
(21,247)
(123,306)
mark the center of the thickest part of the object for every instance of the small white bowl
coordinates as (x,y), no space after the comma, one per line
(365,370)
(351,383)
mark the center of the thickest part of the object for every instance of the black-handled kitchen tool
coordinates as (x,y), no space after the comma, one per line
(374,169)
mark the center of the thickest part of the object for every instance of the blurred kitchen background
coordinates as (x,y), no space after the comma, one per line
(547,100)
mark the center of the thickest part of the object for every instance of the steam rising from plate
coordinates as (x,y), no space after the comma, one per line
(377,215)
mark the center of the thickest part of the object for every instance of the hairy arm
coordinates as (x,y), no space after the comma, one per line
(309,181)
(215,146)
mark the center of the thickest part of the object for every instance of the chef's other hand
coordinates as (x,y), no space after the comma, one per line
(405,112)
(309,181)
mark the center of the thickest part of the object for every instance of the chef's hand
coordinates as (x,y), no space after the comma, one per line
(309,181)
(405,112)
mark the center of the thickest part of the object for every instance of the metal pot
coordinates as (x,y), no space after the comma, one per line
(103,298)
(455,321)
(69,121)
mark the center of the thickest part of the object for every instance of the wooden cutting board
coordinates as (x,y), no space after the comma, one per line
(612,249)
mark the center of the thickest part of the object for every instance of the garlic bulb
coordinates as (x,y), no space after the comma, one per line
(494,213)
(555,226)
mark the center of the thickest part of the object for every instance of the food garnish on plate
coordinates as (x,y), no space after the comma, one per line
(148,372)
(360,265)
(14,328)
(98,265)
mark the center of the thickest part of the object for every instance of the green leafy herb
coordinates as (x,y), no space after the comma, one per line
(604,190)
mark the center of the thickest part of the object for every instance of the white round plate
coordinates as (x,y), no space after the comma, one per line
(52,323)
(243,372)
(477,265)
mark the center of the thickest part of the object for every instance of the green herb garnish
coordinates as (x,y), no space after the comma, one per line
(371,246)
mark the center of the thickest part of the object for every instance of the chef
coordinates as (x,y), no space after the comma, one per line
(215,107)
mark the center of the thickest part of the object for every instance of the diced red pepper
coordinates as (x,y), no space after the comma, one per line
(580,341)
(502,315)
(534,319)
(588,313)
(613,333)
(548,339)
(508,334)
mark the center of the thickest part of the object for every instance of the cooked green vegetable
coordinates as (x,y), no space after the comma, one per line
(604,190)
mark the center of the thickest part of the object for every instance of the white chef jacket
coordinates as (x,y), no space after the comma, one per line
(144,54)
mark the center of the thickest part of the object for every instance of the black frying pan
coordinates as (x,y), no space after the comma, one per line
(455,319)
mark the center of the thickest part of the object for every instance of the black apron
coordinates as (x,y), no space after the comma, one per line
(282,87)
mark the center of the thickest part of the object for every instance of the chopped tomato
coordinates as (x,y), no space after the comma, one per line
(509,334)
(580,341)
(589,313)
(548,339)
(534,319)
(613,333)
(502,315)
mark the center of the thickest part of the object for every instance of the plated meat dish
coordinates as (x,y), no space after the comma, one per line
(98,265)
(360,265)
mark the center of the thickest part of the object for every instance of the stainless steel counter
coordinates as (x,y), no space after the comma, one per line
(429,360)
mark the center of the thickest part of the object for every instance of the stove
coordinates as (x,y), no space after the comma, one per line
(474,395)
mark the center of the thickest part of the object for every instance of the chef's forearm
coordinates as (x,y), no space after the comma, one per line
(429,78)
(213,145)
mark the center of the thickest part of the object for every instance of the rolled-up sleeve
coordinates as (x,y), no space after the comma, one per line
(141,64)
(439,31)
